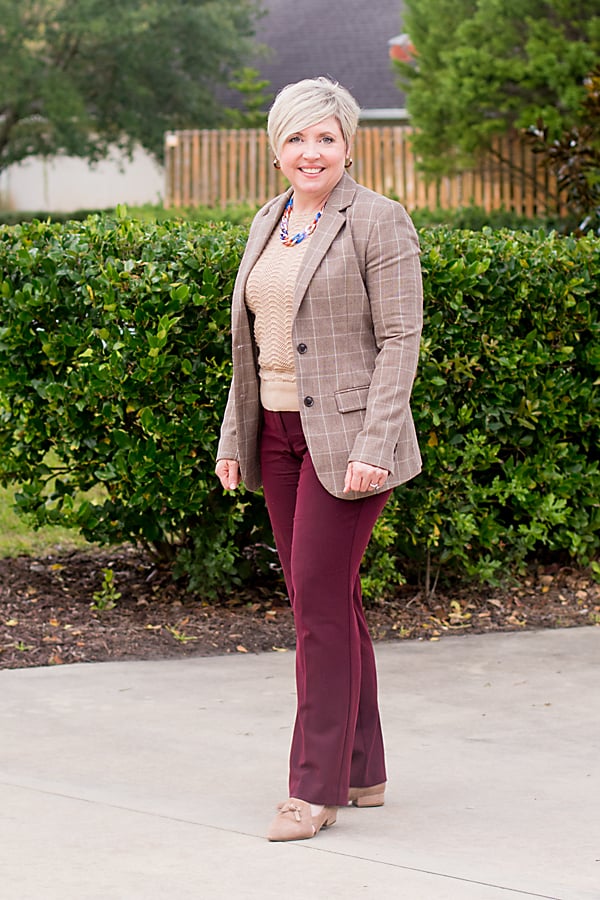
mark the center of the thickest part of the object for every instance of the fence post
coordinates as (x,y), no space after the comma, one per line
(210,167)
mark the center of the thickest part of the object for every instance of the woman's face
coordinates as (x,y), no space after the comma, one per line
(313,161)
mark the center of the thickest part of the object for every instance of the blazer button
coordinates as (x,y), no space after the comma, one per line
(302,348)
(308,401)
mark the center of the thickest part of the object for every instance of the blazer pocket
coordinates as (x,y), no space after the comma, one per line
(352,399)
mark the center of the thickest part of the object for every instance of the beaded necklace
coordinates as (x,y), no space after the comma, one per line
(288,241)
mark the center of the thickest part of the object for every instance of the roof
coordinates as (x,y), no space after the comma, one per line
(348,40)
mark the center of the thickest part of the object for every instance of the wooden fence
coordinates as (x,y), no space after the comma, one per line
(222,167)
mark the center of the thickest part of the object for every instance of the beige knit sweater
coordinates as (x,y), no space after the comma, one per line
(270,296)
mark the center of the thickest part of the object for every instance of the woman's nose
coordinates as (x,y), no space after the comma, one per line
(311,151)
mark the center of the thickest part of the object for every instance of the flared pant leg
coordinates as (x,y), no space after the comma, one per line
(321,539)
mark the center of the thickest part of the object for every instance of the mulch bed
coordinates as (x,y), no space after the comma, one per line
(47,615)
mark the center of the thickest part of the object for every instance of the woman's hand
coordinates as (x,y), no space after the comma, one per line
(228,473)
(364,478)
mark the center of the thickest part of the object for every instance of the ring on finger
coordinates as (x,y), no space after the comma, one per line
(374,485)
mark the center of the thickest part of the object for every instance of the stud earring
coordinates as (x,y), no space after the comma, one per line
(348,162)
(276,163)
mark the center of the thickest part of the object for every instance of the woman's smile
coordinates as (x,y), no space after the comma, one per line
(313,162)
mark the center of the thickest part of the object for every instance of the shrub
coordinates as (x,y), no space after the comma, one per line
(115,362)
(114,354)
(234,214)
(506,402)
(476,218)
(17,217)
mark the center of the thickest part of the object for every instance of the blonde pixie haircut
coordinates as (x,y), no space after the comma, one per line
(307,102)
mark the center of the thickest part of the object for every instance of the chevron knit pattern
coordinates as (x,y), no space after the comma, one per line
(270,296)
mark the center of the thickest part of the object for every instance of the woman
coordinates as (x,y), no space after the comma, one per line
(326,319)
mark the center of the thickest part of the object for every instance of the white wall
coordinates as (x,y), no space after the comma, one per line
(67,183)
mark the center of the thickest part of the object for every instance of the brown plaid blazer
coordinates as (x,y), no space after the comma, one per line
(356,330)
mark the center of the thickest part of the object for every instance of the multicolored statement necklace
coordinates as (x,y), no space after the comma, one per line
(288,241)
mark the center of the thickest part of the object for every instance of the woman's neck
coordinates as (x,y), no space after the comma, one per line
(304,206)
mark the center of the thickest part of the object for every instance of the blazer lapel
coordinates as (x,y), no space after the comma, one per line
(329,225)
(261,232)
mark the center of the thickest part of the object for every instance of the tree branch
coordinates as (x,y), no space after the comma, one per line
(529,176)
(67,53)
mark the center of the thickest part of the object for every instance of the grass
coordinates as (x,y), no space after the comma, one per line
(18,537)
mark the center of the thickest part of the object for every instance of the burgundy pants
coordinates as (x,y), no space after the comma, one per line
(337,740)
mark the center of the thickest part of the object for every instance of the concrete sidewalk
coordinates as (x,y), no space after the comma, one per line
(157,780)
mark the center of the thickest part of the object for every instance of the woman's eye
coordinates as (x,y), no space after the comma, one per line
(295,139)
(327,140)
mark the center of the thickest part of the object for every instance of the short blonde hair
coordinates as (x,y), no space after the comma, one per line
(307,102)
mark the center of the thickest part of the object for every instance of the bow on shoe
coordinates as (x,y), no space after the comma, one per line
(295,821)
(292,807)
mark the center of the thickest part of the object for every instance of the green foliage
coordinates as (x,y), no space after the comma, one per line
(482,69)
(240,214)
(233,214)
(472,217)
(506,402)
(381,573)
(256,101)
(17,537)
(107,597)
(16,217)
(115,356)
(574,157)
(81,77)
(475,218)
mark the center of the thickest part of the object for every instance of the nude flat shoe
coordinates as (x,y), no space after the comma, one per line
(295,822)
(366,796)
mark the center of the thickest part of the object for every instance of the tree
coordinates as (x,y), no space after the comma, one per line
(255,99)
(574,157)
(80,76)
(486,67)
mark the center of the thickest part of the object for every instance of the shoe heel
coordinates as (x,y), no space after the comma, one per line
(369,796)
(371,800)
(331,817)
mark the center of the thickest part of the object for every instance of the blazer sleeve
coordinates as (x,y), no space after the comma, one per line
(228,447)
(392,274)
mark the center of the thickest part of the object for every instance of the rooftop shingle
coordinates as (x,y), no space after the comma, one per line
(345,39)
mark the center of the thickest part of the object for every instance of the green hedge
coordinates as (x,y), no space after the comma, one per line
(507,401)
(476,218)
(115,361)
(471,217)
(234,214)
(18,217)
(115,356)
